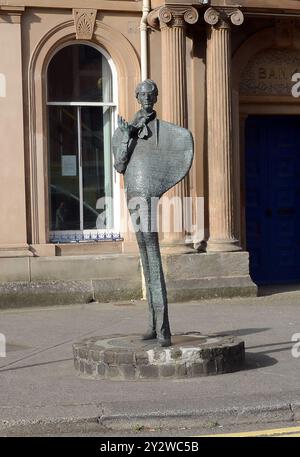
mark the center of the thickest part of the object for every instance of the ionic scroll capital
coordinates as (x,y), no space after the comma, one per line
(172,16)
(222,17)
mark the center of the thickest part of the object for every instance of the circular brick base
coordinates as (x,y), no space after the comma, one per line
(121,357)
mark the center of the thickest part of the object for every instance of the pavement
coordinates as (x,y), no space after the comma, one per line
(39,389)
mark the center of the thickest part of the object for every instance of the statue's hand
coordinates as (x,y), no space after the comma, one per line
(125,128)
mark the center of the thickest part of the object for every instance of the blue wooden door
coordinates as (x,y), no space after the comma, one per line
(272,162)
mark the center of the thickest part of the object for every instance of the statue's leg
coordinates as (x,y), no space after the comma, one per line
(138,213)
(151,330)
(158,289)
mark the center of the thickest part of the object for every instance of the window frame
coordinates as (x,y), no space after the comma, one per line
(85,235)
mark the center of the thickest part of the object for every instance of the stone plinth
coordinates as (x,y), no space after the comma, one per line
(120,357)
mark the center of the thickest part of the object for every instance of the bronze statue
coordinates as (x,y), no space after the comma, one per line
(154,156)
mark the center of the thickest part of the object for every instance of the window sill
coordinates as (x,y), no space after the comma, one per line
(89,248)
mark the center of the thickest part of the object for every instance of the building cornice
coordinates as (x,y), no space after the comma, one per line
(104,5)
(284,6)
(14,14)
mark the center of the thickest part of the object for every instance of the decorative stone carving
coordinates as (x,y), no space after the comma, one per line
(221,16)
(165,15)
(211,16)
(270,72)
(84,23)
(174,16)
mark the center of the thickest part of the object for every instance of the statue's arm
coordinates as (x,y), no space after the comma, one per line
(122,156)
(121,143)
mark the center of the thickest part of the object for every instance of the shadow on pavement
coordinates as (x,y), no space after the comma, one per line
(255,361)
(38,364)
(243,331)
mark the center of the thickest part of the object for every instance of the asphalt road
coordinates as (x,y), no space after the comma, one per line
(40,389)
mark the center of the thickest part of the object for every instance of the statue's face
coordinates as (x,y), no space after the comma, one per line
(147,98)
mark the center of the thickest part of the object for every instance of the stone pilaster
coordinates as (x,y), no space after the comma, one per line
(223,210)
(13,229)
(172,21)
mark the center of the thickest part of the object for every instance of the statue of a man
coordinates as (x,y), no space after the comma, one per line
(154,156)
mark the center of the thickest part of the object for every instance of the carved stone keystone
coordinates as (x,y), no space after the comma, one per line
(84,23)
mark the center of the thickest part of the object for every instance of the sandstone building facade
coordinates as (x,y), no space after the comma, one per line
(228,71)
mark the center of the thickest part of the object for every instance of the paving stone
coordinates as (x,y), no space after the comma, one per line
(124,358)
(101,369)
(128,371)
(181,370)
(112,371)
(109,357)
(148,371)
(166,371)
(141,358)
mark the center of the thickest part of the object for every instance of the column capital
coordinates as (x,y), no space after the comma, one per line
(222,17)
(172,16)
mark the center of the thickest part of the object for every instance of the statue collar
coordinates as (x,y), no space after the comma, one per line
(140,123)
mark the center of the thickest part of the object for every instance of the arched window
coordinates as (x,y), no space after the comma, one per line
(81,109)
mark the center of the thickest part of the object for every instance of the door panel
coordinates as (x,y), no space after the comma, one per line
(272,159)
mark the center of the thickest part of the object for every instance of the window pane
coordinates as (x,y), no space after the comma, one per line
(79,73)
(63,156)
(97,171)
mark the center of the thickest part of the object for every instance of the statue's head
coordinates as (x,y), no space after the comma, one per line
(146,93)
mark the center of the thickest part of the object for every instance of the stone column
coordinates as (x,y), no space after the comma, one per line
(13,229)
(172,21)
(223,211)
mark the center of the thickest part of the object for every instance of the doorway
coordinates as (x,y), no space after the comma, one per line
(272,202)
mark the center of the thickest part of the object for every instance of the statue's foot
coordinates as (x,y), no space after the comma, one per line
(149,335)
(164,342)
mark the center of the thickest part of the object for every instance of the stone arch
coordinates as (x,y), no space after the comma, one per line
(256,43)
(128,75)
(264,40)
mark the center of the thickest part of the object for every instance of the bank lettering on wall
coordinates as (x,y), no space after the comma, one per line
(270,73)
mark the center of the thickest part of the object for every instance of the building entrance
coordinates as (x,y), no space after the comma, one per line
(272,179)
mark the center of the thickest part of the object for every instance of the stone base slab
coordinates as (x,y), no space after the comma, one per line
(27,281)
(192,354)
(208,275)
(190,289)
(47,293)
